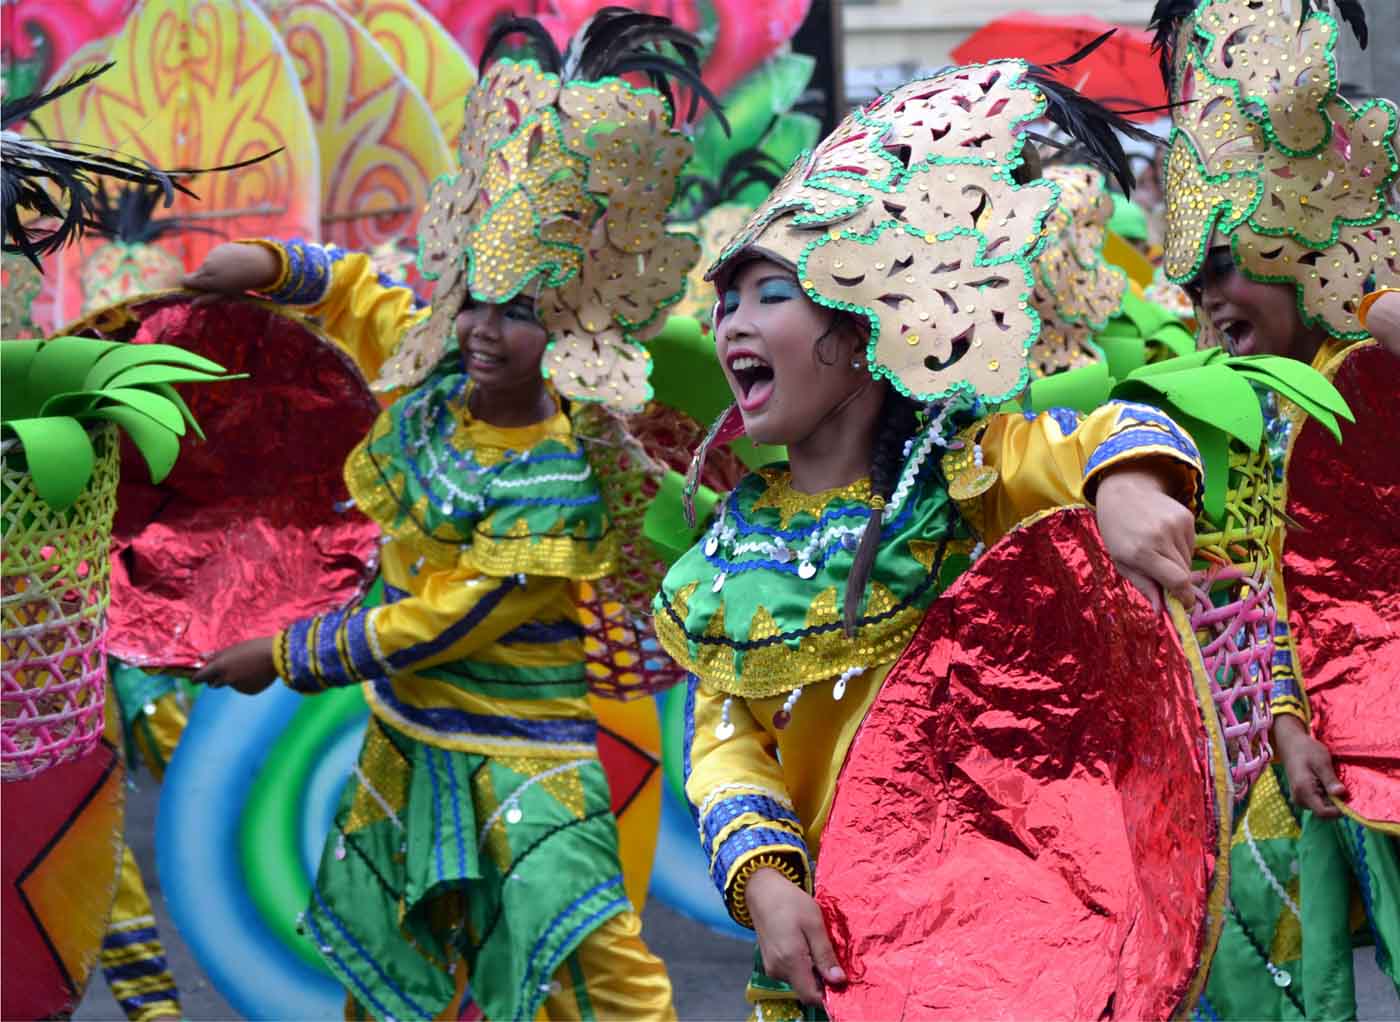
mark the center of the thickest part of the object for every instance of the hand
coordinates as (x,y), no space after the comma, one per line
(792,935)
(247,667)
(233,268)
(1149,535)
(1383,320)
(1311,777)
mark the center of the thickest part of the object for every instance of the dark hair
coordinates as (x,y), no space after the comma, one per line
(899,418)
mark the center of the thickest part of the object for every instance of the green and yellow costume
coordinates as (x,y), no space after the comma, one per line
(1269,158)
(908,217)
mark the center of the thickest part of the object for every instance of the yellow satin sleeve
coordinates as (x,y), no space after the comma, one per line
(1057,458)
(451,614)
(363,316)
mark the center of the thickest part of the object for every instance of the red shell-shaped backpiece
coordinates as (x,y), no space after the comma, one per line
(1342,574)
(1028,821)
(243,537)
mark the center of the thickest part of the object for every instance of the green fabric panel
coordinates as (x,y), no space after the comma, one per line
(532,890)
(502,681)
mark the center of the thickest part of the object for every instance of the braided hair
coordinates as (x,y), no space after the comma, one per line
(897,423)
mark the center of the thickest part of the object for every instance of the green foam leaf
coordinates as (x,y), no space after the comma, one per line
(59,455)
(15,359)
(159,447)
(1082,389)
(62,364)
(126,356)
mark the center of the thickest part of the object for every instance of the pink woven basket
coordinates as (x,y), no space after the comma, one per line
(53,601)
(1233,613)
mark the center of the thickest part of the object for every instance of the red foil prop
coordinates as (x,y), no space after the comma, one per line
(1342,573)
(1027,824)
(243,537)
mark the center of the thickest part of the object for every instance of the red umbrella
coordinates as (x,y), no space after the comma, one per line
(1122,73)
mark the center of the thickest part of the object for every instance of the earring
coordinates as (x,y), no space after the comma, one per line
(857,364)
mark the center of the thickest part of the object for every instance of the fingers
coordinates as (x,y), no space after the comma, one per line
(792,964)
(823,957)
(1144,584)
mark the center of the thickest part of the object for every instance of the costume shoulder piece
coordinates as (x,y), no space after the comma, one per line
(1266,152)
(519,500)
(755,608)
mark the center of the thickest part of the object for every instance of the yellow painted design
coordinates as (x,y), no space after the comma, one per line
(416,42)
(380,144)
(790,502)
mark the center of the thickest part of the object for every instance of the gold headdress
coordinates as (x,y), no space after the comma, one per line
(1076,289)
(1267,152)
(911,215)
(566,177)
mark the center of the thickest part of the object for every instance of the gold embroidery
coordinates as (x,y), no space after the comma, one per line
(790,503)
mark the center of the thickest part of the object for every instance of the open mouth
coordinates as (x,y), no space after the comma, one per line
(1238,334)
(754,378)
(483,361)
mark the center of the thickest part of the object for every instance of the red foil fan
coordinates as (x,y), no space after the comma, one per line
(243,537)
(1342,573)
(1032,820)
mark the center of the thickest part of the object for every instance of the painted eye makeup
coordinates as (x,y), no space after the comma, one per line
(778,289)
(728,303)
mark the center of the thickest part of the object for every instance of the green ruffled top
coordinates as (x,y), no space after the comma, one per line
(754,609)
(446,485)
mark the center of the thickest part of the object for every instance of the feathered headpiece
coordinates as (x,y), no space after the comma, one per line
(1077,290)
(50,179)
(920,215)
(567,173)
(1267,153)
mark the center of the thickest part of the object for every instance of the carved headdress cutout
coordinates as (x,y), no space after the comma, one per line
(567,173)
(1266,152)
(915,216)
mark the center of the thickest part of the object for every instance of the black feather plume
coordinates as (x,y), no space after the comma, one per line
(1165,25)
(541,42)
(1092,126)
(58,181)
(697,194)
(617,41)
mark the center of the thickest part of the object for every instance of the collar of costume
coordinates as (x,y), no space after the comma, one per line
(908,215)
(754,609)
(562,192)
(1266,151)
(1077,290)
(519,500)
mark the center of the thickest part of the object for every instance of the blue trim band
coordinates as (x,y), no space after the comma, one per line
(726,811)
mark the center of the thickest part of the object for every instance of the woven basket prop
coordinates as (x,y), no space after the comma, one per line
(638,462)
(1234,615)
(63,400)
(1216,398)
(54,607)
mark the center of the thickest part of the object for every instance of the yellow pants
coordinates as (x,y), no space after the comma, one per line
(133,958)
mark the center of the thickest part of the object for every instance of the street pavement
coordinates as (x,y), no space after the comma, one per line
(707,969)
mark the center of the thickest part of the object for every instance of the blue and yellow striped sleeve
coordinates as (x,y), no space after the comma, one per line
(454,614)
(1058,457)
(363,311)
(739,798)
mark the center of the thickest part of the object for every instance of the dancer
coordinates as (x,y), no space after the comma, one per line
(1278,235)
(474,861)
(871,309)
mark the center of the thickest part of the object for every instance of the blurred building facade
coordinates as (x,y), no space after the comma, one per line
(887,42)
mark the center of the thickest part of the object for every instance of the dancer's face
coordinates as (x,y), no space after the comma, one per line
(1253,318)
(787,359)
(502,345)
